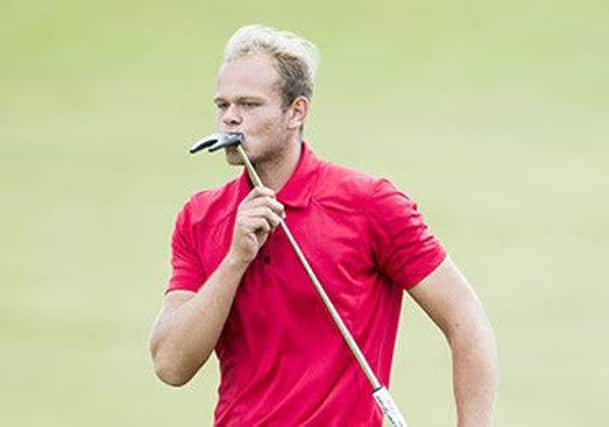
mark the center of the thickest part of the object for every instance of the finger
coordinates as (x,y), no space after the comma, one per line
(265,212)
(266,201)
(277,206)
(258,192)
(259,225)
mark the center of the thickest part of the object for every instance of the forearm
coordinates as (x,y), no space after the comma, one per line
(475,377)
(184,337)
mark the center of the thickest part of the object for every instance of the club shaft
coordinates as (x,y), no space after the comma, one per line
(357,353)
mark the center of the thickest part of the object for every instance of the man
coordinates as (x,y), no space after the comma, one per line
(237,287)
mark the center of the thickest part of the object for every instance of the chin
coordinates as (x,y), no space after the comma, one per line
(233,158)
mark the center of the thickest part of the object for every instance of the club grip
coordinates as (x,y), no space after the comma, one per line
(389,408)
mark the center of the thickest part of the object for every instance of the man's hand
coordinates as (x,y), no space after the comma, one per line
(257,216)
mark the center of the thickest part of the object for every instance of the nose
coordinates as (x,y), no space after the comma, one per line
(231,117)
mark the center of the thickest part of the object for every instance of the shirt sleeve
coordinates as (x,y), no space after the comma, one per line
(187,272)
(405,249)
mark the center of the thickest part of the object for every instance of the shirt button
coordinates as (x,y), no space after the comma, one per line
(266,259)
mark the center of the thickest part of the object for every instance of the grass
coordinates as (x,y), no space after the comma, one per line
(493,116)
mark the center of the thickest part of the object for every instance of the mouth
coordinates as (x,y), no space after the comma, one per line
(217,141)
(226,140)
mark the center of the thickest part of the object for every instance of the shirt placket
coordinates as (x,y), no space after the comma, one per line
(268,259)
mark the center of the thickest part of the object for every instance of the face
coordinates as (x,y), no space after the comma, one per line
(248,100)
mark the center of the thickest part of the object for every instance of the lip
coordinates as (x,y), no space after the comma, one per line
(242,132)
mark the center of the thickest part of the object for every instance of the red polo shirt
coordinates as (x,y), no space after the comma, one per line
(282,360)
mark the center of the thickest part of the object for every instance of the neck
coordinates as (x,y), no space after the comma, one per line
(276,172)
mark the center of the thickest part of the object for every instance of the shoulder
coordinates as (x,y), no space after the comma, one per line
(203,205)
(347,184)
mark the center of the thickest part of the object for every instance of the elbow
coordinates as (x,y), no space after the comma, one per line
(175,364)
(171,376)
(166,368)
(474,334)
(476,344)
(173,368)
(169,372)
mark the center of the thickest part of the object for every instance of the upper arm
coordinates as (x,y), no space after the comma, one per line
(449,300)
(172,301)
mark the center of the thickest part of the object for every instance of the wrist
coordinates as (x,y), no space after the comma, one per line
(236,262)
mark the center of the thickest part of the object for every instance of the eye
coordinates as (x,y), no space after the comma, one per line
(222,106)
(250,104)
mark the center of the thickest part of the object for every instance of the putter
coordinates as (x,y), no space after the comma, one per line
(389,408)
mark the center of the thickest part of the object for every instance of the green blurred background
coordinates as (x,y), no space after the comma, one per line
(493,115)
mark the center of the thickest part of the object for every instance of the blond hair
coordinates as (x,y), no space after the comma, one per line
(295,58)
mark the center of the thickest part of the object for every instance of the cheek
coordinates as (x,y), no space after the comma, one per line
(271,122)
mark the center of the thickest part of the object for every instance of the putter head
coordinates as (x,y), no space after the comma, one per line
(216,141)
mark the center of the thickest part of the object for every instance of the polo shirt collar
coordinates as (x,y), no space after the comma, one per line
(297,191)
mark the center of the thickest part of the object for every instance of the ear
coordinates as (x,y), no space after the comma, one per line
(297,112)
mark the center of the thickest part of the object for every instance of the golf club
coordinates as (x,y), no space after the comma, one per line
(392,413)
